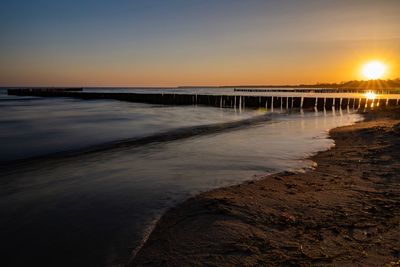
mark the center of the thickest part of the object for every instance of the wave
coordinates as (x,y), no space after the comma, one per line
(168,136)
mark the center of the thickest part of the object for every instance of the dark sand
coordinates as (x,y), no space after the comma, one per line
(346,212)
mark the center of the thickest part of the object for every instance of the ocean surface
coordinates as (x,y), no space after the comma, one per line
(84,181)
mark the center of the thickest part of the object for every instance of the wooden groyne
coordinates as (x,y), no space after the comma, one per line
(48,89)
(318,90)
(232,101)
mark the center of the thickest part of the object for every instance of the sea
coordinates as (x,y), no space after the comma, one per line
(83,182)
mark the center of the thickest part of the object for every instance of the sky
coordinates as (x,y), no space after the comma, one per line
(194,42)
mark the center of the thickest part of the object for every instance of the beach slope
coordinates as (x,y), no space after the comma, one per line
(346,212)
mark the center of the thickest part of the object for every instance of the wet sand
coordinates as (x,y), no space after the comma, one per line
(346,212)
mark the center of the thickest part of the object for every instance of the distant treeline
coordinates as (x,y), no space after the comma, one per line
(371,84)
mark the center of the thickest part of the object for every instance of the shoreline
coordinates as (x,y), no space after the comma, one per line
(352,215)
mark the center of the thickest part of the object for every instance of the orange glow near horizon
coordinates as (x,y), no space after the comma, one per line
(332,67)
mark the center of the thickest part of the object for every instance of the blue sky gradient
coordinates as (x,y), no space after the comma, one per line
(211,42)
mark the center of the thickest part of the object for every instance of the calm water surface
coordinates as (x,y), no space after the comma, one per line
(93,209)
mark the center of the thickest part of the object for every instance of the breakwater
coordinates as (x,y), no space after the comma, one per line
(286,101)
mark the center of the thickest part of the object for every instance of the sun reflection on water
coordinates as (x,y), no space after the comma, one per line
(370,95)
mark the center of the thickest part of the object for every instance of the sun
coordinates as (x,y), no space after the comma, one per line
(374,70)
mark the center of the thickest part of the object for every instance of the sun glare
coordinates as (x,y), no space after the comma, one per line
(373,70)
(370,95)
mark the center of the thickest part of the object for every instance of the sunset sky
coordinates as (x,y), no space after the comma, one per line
(194,42)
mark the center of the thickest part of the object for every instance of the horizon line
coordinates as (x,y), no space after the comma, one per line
(201,86)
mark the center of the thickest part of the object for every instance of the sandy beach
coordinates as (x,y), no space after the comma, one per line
(345,212)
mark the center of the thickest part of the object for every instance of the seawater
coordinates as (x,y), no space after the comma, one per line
(93,209)
(35,126)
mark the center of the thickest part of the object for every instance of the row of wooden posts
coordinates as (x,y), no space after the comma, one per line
(232,101)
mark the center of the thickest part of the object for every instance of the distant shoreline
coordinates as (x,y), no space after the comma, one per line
(371,84)
(345,212)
